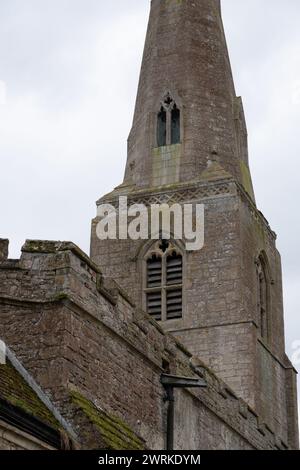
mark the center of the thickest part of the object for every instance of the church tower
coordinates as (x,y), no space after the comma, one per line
(188,145)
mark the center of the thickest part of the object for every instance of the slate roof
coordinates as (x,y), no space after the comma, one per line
(22,408)
(15,391)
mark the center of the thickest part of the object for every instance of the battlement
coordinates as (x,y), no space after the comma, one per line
(3,249)
(59,269)
(57,310)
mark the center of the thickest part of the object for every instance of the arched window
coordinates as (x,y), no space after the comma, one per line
(175,125)
(263,297)
(164,276)
(168,123)
(162,128)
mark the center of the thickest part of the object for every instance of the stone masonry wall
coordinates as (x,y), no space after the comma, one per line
(220,316)
(71,329)
(186,62)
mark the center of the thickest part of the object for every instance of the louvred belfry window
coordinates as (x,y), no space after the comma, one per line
(154,279)
(174,278)
(164,278)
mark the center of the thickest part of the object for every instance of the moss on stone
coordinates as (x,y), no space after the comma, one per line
(246,179)
(174,2)
(40,246)
(260,231)
(61,296)
(37,410)
(14,390)
(116,434)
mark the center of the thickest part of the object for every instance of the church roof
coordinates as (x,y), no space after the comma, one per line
(15,391)
(22,408)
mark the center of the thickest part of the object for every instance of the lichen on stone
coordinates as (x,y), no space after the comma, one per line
(116,434)
(246,179)
(14,390)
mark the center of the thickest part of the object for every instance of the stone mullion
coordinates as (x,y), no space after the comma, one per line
(164,290)
(168,136)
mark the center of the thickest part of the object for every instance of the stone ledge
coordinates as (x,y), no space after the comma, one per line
(51,247)
(179,192)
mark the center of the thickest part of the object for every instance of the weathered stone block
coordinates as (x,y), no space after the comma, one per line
(4,243)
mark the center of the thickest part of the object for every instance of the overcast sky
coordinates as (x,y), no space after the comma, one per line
(68,78)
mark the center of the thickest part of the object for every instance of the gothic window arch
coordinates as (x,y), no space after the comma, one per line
(168,123)
(163,287)
(263,297)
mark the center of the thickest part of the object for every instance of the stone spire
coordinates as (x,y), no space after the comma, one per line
(186,65)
